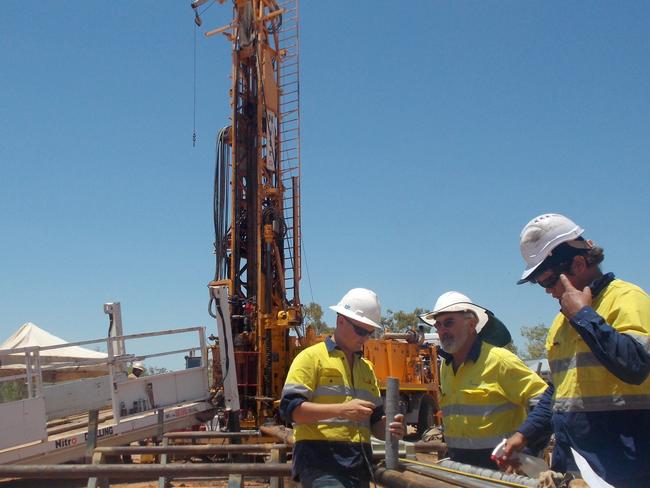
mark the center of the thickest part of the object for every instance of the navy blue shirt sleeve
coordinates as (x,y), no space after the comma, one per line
(619,353)
(288,404)
(538,423)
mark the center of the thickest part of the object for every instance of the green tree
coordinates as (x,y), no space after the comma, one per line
(535,336)
(151,370)
(400,320)
(313,315)
(12,390)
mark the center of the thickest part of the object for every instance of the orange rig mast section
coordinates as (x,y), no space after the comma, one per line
(255,292)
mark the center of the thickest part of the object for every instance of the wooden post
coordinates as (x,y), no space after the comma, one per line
(236,481)
(94,482)
(278,455)
(91,439)
(162,481)
(161,425)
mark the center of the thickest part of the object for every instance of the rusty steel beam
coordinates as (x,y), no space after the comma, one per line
(189,450)
(403,479)
(140,471)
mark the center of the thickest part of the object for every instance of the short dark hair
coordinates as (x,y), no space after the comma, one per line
(595,256)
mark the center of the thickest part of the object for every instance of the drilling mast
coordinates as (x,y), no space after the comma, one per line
(257,207)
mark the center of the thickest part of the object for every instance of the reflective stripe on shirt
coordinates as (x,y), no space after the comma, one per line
(477,410)
(344,391)
(580,360)
(297,389)
(598,403)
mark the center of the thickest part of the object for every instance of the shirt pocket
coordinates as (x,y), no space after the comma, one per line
(331,386)
(473,399)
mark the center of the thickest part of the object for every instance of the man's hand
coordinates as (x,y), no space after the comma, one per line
(396,427)
(356,410)
(573,300)
(514,445)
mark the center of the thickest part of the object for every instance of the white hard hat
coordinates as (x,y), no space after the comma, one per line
(362,305)
(453,301)
(543,234)
(138,365)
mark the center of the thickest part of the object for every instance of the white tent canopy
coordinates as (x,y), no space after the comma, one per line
(31,335)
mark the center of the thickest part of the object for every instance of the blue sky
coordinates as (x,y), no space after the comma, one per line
(431,133)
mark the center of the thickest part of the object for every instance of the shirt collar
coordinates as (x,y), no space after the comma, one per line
(332,346)
(599,284)
(473,354)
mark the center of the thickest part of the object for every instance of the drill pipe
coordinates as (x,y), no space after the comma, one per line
(398,479)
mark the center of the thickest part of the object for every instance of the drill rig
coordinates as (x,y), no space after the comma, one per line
(255,291)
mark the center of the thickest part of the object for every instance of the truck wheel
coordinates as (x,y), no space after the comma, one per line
(426,415)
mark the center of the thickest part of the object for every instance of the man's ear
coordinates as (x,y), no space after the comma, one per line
(474,320)
(578,264)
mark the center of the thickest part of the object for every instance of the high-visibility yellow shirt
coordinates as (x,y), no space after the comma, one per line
(582,383)
(487,398)
(322,374)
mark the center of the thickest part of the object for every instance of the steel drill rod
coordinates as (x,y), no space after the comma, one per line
(199,449)
(140,471)
(465,480)
(431,446)
(422,447)
(392,409)
(485,472)
(397,479)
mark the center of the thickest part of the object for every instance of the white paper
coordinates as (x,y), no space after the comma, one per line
(592,479)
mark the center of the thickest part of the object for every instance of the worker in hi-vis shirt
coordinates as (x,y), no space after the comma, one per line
(599,355)
(332,397)
(486,389)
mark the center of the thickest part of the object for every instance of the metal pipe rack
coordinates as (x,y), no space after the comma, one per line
(141,471)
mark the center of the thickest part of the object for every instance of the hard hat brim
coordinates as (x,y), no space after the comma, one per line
(357,318)
(574,243)
(492,331)
(525,277)
(481,313)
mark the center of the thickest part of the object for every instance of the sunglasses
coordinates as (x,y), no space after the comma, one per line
(552,280)
(360,331)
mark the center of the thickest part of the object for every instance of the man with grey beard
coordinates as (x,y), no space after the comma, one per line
(486,390)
